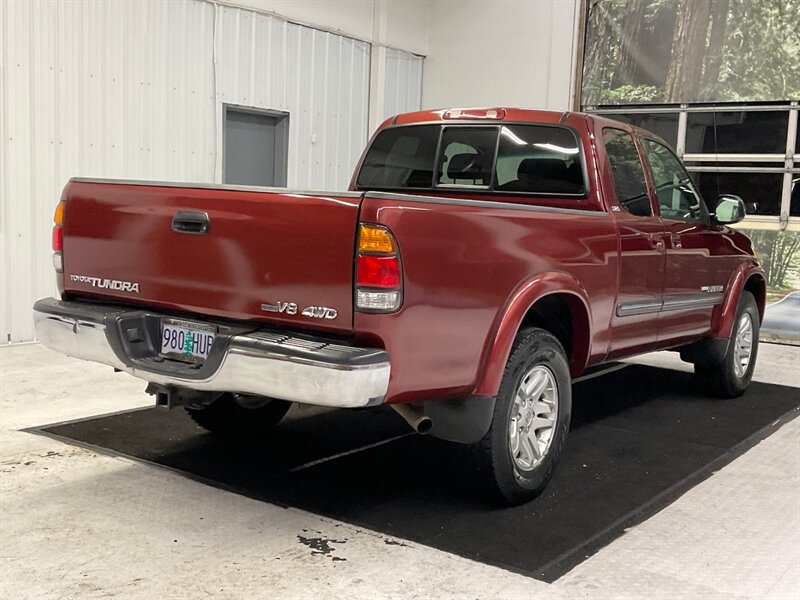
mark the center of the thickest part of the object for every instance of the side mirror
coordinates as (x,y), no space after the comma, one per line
(730,209)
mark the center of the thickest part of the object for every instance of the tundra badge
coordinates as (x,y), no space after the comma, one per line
(109,284)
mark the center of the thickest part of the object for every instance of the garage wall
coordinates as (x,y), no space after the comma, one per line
(320,79)
(406,20)
(134,89)
(501,53)
(403,83)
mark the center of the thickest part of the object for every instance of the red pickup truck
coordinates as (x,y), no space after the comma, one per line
(482,259)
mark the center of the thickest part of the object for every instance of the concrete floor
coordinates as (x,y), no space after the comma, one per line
(76,524)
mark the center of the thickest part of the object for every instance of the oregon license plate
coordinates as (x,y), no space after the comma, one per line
(186,340)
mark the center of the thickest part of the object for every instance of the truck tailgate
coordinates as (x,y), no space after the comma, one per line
(266,255)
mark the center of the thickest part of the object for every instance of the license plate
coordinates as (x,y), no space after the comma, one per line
(186,340)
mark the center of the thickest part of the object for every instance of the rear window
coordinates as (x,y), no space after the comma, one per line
(467,154)
(531,159)
(544,160)
(402,157)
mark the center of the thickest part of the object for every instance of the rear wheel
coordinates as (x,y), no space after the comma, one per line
(239,415)
(519,454)
(730,377)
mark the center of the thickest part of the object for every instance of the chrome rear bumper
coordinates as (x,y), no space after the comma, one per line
(266,363)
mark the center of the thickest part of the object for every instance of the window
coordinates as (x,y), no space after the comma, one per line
(533,159)
(677,197)
(256,146)
(797,143)
(737,132)
(627,171)
(538,159)
(743,152)
(467,157)
(401,157)
(763,190)
(664,125)
(748,147)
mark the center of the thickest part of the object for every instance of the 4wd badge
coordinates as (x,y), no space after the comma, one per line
(320,312)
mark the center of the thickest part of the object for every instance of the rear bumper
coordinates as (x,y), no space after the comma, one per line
(269,363)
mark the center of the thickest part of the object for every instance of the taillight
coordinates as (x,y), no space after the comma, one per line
(378,271)
(379,275)
(58,238)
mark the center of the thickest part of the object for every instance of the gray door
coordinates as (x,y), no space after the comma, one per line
(256,147)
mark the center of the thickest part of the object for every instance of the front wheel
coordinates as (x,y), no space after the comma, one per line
(730,378)
(239,415)
(518,455)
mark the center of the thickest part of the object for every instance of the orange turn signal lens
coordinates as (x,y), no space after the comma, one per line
(59,216)
(375,239)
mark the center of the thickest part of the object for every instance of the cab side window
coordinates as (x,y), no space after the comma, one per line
(677,197)
(627,171)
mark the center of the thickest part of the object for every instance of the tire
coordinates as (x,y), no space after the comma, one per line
(238,416)
(730,378)
(516,459)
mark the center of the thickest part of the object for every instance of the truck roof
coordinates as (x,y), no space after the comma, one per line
(493,114)
(488,114)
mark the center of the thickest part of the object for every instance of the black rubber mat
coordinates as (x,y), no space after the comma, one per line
(640,438)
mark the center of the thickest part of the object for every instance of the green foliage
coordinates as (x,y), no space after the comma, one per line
(779,255)
(631,94)
(758,60)
(761,56)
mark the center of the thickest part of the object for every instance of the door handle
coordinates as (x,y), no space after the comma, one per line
(191,221)
(676,241)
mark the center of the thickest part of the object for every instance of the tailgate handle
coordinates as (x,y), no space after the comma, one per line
(190,221)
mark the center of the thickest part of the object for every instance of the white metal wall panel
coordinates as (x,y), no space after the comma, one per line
(403,83)
(95,89)
(320,79)
(133,89)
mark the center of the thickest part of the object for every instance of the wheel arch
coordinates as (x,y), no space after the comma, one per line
(748,277)
(757,285)
(555,302)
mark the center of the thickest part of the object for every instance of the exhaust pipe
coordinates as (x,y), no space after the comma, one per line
(419,421)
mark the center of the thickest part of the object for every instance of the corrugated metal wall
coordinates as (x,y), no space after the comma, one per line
(134,89)
(403,83)
(320,79)
(105,89)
